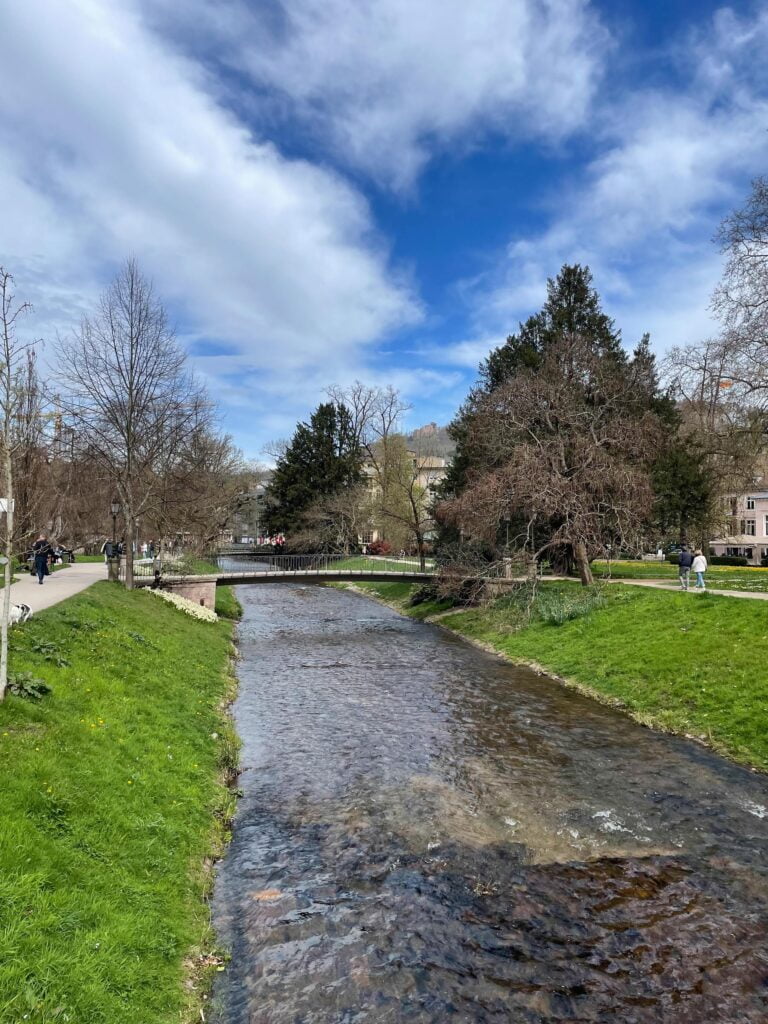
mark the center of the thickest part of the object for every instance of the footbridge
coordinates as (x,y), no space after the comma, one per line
(318,568)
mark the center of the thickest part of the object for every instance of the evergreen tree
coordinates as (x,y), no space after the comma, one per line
(572,310)
(686,492)
(572,306)
(323,458)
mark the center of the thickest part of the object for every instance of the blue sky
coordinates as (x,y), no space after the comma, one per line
(326,190)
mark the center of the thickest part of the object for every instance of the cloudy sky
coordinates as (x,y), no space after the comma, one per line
(331,189)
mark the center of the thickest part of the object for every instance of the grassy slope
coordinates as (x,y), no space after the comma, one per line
(110,785)
(688,663)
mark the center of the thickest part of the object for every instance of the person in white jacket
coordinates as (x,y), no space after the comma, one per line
(699,567)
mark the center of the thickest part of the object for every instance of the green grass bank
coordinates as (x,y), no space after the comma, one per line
(686,663)
(113,805)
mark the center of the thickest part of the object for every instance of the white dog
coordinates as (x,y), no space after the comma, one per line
(19,614)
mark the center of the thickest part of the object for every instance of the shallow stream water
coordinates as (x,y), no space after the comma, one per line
(428,834)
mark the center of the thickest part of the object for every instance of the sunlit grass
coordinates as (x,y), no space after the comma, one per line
(721,577)
(111,800)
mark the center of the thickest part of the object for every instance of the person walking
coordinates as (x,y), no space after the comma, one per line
(699,566)
(684,563)
(42,550)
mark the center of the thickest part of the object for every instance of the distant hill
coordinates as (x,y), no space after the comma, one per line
(431,440)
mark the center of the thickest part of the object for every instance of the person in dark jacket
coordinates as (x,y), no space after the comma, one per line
(684,563)
(42,550)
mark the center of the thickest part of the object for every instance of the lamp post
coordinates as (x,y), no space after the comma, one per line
(113,561)
(115,508)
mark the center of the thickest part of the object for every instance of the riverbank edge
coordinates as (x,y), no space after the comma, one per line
(200,968)
(204,956)
(649,721)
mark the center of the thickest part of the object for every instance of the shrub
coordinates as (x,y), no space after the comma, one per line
(674,558)
(379,547)
(728,560)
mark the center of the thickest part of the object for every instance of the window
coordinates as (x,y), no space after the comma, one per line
(765,530)
(748,527)
(739,552)
(734,505)
(750,504)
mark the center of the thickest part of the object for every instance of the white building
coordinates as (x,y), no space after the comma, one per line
(748,526)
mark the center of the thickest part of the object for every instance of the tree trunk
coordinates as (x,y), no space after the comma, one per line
(683,529)
(7,571)
(422,553)
(582,563)
(561,560)
(128,538)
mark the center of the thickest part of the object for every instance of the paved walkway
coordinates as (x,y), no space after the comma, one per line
(750,595)
(58,586)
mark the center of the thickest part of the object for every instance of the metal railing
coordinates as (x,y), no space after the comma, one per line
(170,567)
(321,563)
(173,567)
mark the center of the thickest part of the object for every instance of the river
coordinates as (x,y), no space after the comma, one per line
(428,834)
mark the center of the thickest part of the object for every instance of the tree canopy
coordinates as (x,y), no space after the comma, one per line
(323,457)
(558,438)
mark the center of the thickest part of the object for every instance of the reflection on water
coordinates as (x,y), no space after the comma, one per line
(428,834)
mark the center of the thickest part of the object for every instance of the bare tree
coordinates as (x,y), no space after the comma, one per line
(741,299)
(12,358)
(377,415)
(408,498)
(35,498)
(203,486)
(568,446)
(128,393)
(334,521)
(706,381)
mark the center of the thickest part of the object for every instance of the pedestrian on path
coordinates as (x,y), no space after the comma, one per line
(42,550)
(684,563)
(699,566)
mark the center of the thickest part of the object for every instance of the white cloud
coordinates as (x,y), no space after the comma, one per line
(113,145)
(387,83)
(671,161)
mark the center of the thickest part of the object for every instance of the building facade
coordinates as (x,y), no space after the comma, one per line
(747,528)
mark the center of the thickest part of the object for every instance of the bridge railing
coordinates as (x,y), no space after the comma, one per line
(170,567)
(323,563)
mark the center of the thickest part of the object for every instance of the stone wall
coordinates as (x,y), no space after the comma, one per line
(200,591)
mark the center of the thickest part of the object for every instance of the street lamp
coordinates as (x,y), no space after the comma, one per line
(115,508)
